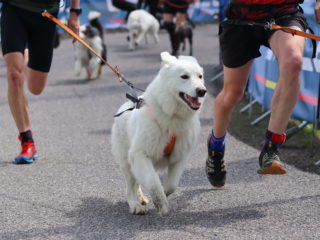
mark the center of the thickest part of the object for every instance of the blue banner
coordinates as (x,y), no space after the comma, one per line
(264,74)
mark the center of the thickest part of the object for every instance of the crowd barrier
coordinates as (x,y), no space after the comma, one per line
(264,75)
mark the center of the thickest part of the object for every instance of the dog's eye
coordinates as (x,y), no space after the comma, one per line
(200,76)
(185,76)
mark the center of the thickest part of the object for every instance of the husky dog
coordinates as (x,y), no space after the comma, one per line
(161,133)
(94,21)
(84,59)
(140,24)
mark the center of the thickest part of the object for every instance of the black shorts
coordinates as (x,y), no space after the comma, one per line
(174,6)
(241,43)
(21,28)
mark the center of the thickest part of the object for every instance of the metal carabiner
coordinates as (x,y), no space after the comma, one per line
(268,25)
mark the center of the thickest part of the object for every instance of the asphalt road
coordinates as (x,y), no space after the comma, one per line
(75,190)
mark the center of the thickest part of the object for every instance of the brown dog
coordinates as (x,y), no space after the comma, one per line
(181,35)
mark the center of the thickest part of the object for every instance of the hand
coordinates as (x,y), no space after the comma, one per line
(317,12)
(74,24)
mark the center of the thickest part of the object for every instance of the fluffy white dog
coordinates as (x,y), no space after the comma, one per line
(84,59)
(140,24)
(161,133)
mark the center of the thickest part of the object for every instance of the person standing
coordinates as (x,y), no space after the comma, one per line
(240,43)
(23,27)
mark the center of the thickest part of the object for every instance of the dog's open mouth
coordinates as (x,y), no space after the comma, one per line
(193,102)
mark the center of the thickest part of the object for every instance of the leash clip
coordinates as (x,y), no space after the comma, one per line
(138,101)
(268,25)
(43,13)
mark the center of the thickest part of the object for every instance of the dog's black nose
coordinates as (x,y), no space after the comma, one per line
(201,92)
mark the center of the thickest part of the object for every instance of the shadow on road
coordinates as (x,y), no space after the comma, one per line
(98,218)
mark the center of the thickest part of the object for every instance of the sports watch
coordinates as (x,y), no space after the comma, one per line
(77,11)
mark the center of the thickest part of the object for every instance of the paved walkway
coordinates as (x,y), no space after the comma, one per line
(75,189)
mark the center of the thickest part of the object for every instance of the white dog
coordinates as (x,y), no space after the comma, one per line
(140,24)
(160,134)
(84,59)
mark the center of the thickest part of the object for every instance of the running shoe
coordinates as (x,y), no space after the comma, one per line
(269,161)
(215,167)
(28,153)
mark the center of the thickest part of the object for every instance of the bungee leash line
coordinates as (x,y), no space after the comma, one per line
(272,26)
(115,69)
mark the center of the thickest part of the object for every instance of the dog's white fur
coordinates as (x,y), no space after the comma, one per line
(140,24)
(140,136)
(85,59)
(93,15)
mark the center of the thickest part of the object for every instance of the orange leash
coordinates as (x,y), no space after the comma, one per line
(272,26)
(73,34)
(295,32)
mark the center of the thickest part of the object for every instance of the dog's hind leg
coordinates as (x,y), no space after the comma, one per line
(155,37)
(183,45)
(77,67)
(146,175)
(89,75)
(104,56)
(146,39)
(131,41)
(99,70)
(140,36)
(175,171)
(93,67)
(135,197)
(190,43)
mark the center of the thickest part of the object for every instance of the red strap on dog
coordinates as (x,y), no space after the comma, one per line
(170,146)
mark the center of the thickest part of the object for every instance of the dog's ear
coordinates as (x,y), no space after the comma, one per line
(189,58)
(167,58)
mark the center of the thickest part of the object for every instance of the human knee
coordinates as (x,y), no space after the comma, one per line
(291,65)
(231,98)
(15,79)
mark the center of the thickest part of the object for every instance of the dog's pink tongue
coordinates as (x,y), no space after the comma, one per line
(195,103)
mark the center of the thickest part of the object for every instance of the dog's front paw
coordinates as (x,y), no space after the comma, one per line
(162,206)
(138,209)
(143,200)
(169,190)
(164,211)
